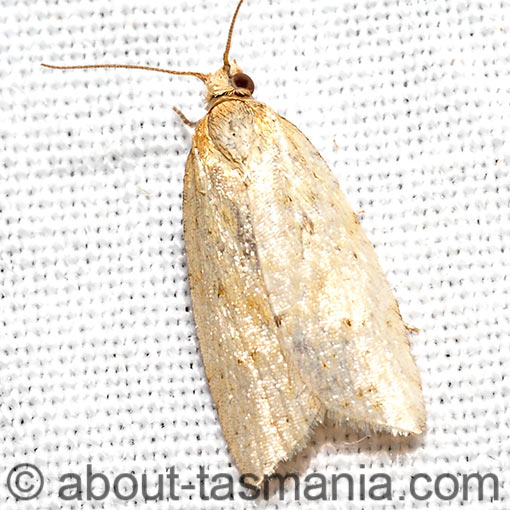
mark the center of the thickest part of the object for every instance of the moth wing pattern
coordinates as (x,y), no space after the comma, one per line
(340,322)
(265,410)
(294,315)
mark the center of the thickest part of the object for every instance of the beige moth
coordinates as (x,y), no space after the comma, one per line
(295,317)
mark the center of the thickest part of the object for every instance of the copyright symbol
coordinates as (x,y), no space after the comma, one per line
(25,481)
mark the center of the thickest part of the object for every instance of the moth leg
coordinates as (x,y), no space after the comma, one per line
(357,441)
(411,328)
(183,117)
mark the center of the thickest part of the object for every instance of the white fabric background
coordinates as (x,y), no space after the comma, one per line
(409,102)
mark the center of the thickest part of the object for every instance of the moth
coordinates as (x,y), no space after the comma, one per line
(295,317)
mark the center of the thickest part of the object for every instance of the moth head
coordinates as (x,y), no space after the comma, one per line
(228,82)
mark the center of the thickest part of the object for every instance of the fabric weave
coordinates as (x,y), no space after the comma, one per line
(409,103)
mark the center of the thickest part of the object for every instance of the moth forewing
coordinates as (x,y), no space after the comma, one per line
(266,412)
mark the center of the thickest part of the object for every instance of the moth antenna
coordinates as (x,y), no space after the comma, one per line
(201,76)
(226,63)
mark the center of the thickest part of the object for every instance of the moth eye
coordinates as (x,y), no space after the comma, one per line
(243,81)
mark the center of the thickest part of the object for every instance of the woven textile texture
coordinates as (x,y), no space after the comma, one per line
(409,103)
